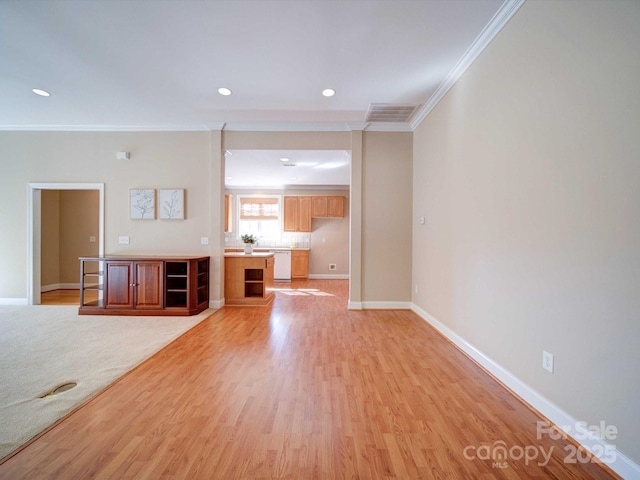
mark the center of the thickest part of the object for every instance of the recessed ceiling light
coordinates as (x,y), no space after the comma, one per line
(224,91)
(229,178)
(328,92)
(284,159)
(293,178)
(42,93)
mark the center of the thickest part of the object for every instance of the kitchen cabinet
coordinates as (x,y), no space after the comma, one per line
(144,285)
(297,213)
(299,264)
(335,206)
(299,210)
(304,219)
(248,279)
(327,206)
(318,207)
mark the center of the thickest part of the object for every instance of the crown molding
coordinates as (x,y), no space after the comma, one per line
(497,23)
(221,126)
(104,128)
(358,126)
(389,127)
(285,127)
(216,126)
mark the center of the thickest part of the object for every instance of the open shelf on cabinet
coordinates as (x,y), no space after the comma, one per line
(176,284)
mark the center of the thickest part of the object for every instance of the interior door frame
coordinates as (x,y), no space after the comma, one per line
(34,234)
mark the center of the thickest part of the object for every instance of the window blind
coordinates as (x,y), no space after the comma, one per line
(254,208)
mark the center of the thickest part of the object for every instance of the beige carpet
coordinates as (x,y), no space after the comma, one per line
(43,346)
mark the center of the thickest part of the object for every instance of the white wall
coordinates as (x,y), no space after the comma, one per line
(528,174)
(193,161)
(386,212)
(158,160)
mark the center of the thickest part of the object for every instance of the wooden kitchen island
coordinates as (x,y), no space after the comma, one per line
(248,279)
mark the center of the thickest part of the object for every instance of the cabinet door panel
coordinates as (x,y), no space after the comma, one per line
(149,285)
(335,206)
(290,214)
(319,207)
(304,214)
(118,285)
(299,264)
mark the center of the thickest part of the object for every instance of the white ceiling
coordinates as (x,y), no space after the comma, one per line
(157,64)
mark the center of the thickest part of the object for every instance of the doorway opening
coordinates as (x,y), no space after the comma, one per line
(35,230)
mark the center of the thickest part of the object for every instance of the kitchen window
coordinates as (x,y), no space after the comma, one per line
(259,216)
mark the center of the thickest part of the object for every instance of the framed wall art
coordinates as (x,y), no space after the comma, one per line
(171,204)
(142,204)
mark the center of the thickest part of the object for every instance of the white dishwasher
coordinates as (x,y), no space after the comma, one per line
(282,265)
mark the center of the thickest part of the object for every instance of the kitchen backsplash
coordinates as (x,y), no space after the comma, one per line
(294,240)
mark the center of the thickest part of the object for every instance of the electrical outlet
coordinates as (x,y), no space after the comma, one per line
(123,240)
(204,240)
(332,266)
(547,361)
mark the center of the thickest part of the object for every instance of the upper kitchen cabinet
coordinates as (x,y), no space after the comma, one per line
(327,206)
(335,206)
(318,206)
(297,213)
(298,210)
(304,220)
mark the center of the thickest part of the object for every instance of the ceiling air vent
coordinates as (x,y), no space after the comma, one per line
(390,112)
(288,164)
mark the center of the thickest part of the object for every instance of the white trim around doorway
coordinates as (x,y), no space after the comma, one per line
(34,192)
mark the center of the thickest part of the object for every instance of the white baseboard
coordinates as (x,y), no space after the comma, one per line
(13,301)
(621,464)
(60,286)
(328,276)
(354,305)
(216,303)
(387,305)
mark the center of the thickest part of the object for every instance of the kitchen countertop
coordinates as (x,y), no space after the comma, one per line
(254,254)
(267,249)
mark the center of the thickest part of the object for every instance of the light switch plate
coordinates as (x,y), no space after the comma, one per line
(547,361)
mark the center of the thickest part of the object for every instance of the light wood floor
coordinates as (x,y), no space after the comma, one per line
(301,389)
(65,297)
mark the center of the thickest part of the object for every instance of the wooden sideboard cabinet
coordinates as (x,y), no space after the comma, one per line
(143,285)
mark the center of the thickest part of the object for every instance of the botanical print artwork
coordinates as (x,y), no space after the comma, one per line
(172,204)
(142,204)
